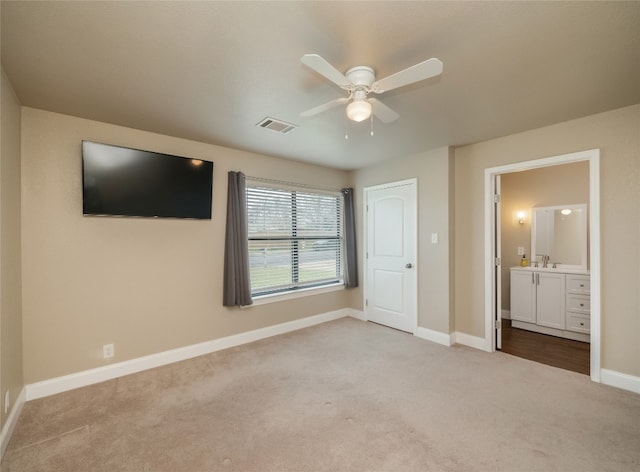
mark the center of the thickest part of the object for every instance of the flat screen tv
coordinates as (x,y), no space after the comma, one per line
(119,181)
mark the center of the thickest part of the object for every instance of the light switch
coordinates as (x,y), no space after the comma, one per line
(520,251)
(434,238)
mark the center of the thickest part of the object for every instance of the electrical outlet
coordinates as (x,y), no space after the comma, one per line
(108,351)
(434,238)
(7,401)
(520,250)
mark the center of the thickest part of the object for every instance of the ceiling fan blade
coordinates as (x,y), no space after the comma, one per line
(322,67)
(423,70)
(324,107)
(382,111)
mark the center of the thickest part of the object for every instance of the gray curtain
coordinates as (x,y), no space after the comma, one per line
(237,288)
(350,252)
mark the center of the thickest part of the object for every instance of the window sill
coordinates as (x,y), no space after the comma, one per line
(304,292)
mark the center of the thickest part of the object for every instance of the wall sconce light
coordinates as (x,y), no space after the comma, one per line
(521,215)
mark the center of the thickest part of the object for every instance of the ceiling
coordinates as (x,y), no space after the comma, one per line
(209,71)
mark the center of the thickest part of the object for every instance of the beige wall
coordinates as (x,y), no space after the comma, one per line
(10,250)
(146,285)
(433,170)
(88,281)
(521,191)
(617,135)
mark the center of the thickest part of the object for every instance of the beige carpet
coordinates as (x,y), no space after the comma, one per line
(342,396)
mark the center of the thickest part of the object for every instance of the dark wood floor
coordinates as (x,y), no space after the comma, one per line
(558,352)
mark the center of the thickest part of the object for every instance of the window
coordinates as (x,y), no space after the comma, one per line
(295,238)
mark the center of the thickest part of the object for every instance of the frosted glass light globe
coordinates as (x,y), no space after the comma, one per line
(359,110)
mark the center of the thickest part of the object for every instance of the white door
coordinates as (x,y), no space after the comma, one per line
(391,257)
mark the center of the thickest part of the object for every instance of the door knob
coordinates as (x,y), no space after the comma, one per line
(409,266)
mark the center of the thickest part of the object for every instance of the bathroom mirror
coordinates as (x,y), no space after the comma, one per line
(560,232)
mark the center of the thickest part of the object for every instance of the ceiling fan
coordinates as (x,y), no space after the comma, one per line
(360,81)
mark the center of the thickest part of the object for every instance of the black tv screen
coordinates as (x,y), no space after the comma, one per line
(120,181)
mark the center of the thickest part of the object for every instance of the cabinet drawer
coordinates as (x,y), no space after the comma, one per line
(579,303)
(579,284)
(578,323)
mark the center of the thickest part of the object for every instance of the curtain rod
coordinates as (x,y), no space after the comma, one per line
(293,184)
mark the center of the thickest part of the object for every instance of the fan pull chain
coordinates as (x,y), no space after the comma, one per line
(371,124)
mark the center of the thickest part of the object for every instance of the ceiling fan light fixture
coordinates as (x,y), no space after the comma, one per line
(359,110)
(360,81)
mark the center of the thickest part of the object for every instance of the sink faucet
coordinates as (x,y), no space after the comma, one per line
(545,261)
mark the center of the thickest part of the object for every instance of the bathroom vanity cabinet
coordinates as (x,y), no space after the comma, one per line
(551,301)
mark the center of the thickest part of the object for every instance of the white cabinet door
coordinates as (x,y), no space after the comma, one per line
(550,299)
(523,296)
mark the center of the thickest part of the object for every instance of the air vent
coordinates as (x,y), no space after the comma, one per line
(278,126)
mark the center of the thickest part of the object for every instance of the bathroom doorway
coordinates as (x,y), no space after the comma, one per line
(500,258)
(528,206)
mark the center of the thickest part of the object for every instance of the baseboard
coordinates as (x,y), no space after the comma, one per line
(451,339)
(120,369)
(505,314)
(620,380)
(12,420)
(357,314)
(433,336)
(472,341)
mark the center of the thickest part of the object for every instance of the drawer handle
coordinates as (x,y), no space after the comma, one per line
(582,304)
(582,285)
(581,324)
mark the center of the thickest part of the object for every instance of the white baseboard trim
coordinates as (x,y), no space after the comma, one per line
(433,336)
(505,314)
(620,380)
(357,314)
(120,369)
(472,341)
(12,420)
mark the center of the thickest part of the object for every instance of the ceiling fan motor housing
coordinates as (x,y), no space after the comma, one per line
(361,76)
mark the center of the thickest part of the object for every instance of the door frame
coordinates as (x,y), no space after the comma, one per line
(497,273)
(365,199)
(593,157)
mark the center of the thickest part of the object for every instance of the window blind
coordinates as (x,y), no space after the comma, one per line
(295,238)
